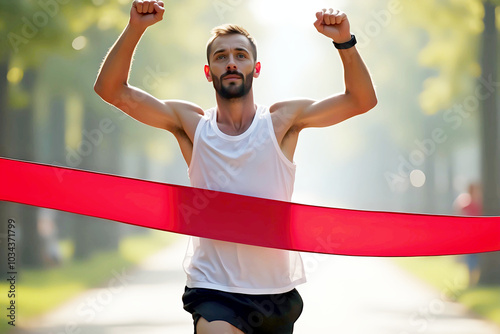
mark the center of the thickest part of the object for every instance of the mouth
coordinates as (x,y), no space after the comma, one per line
(232,77)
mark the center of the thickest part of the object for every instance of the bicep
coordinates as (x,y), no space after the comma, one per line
(327,112)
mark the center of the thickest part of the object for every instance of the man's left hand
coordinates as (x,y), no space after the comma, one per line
(334,24)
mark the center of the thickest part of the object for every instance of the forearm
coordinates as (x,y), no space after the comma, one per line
(114,71)
(358,83)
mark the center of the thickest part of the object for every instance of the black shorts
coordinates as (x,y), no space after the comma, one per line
(252,314)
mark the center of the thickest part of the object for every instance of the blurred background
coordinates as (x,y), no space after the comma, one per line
(431,145)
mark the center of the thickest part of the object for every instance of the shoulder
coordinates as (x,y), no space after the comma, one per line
(291,106)
(187,114)
(289,111)
(181,106)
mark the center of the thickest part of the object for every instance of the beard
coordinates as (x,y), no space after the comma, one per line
(233,90)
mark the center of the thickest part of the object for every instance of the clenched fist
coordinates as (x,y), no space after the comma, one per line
(334,24)
(145,13)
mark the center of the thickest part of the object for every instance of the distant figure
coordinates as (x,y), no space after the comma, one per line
(471,204)
(51,252)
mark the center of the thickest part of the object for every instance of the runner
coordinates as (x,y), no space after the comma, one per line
(241,147)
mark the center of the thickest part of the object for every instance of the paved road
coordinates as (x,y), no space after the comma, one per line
(343,295)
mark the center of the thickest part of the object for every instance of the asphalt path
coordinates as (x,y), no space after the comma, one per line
(348,295)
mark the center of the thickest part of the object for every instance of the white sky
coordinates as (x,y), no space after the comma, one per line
(291,9)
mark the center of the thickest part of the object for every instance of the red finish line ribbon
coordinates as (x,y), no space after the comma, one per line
(243,219)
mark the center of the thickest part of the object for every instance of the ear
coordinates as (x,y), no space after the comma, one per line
(257,69)
(207,73)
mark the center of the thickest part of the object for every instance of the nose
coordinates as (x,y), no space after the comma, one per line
(231,64)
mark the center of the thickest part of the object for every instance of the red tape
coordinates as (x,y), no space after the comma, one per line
(244,219)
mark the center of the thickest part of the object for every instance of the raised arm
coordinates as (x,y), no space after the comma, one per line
(359,95)
(112,81)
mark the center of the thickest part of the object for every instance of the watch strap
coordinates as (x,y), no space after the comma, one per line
(346,45)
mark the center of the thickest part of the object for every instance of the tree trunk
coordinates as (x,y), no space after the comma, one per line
(19,145)
(91,234)
(86,230)
(31,242)
(5,207)
(490,262)
(4,66)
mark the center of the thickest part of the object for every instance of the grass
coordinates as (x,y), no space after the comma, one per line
(451,278)
(484,301)
(442,272)
(41,290)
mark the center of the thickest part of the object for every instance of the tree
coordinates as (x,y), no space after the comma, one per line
(490,140)
(32,29)
(456,30)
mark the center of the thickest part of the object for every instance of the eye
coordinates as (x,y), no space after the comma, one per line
(220,57)
(242,56)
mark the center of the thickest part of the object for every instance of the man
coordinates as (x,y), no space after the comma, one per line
(243,148)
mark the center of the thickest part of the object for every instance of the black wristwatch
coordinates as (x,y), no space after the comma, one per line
(346,45)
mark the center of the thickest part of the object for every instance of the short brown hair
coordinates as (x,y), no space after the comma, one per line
(230,29)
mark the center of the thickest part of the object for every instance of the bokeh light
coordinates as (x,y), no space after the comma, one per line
(79,43)
(417,178)
(15,75)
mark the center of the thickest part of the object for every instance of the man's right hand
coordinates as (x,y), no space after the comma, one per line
(145,13)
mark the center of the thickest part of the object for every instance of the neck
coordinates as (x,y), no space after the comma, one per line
(235,116)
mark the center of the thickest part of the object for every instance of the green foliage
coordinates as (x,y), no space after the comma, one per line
(34,30)
(453,28)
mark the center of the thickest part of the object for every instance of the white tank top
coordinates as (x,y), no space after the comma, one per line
(251,164)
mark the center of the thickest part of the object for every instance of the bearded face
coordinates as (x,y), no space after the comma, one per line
(231,66)
(233,84)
